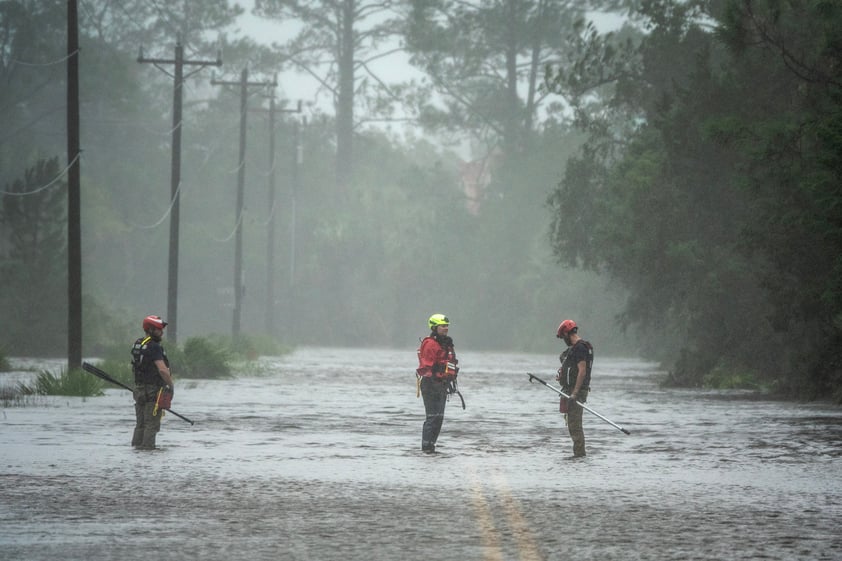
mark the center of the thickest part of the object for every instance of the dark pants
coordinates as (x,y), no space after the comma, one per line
(574,424)
(435,398)
(148,424)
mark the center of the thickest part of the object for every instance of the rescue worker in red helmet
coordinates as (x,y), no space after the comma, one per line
(575,379)
(152,377)
(436,377)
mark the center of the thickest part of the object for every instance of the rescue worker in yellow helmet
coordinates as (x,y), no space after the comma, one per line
(437,369)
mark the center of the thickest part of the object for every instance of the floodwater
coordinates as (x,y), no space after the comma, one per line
(317,457)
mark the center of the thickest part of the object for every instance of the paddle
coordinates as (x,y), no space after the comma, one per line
(88,367)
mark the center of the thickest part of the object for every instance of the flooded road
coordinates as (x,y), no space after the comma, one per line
(317,456)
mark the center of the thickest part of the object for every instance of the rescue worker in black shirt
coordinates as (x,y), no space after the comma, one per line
(152,378)
(575,379)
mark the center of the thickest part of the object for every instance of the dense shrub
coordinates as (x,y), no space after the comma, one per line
(73,382)
(120,370)
(201,358)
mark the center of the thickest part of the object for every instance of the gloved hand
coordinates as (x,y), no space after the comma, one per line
(451,386)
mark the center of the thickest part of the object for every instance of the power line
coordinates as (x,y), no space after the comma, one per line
(62,60)
(164,217)
(55,180)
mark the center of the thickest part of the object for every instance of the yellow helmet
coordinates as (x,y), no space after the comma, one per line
(438,319)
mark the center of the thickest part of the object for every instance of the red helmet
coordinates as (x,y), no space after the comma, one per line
(567,326)
(153,321)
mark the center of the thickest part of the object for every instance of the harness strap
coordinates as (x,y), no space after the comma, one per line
(157,399)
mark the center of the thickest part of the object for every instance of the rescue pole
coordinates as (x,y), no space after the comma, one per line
(582,405)
(88,367)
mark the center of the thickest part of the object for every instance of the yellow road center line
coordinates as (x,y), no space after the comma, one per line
(490,540)
(526,544)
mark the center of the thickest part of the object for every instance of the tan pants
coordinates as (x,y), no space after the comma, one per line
(574,424)
(147,425)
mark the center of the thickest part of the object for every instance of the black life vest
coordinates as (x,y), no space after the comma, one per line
(570,367)
(145,370)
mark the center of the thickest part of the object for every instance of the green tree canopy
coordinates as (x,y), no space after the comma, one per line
(710,186)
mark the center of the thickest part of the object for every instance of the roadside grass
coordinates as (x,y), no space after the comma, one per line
(211,357)
(201,358)
(721,378)
(206,358)
(13,395)
(73,382)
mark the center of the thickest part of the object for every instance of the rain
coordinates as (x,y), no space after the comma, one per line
(295,187)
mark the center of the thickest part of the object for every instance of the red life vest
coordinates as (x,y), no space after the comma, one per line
(435,361)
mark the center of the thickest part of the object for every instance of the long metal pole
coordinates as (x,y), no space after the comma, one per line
(580,404)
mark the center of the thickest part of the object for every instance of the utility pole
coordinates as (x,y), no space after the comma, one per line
(270,236)
(297,160)
(241,179)
(74,207)
(175,170)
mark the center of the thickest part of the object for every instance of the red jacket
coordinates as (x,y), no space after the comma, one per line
(435,361)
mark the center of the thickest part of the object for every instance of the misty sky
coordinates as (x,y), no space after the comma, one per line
(294,85)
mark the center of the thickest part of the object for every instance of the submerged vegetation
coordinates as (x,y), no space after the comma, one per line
(73,382)
(208,358)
